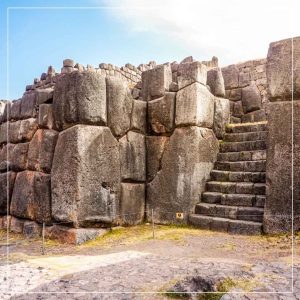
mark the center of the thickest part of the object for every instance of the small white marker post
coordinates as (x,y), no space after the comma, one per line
(43,239)
(152,223)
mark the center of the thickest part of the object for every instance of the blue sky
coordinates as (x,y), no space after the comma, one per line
(135,31)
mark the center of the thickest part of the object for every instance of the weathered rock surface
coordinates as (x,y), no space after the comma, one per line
(28,106)
(215,81)
(281,72)
(155,146)
(189,73)
(119,106)
(85,176)
(15,110)
(132,203)
(31,198)
(254,116)
(221,116)
(41,150)
(156,82)
(231,77)
(19,156)
(161,113)
(27,129)
(194,106)
(79,97)
(6,187)
(44,95)
(278,209)
(186,165)
(133,156)
(138,116)
(251,99)
(45,118)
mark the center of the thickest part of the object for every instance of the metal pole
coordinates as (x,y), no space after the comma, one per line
(43,239)
(152,223)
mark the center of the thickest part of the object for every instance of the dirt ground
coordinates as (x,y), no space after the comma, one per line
(128,263)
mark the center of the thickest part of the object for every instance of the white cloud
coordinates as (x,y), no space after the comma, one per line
(233,30)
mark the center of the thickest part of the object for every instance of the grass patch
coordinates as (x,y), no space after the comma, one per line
(141,233)
(245,284)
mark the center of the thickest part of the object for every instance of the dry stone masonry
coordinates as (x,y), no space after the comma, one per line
(177,142)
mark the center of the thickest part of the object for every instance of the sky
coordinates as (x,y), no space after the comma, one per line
(37,33)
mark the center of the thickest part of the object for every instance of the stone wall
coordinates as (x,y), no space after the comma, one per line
(96,147)
(246,88)
(283,144)
(181,142)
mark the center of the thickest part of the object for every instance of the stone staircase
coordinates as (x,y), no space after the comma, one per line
(235,195)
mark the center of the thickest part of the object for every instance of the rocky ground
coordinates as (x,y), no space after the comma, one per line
(129,264)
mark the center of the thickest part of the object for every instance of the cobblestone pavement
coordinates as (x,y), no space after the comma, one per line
(146,271)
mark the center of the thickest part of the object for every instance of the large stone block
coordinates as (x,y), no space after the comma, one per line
(254,116)
(221,116)
(185,168)
(45,118)
(79,97)
(44,95)
(215,81)
(19,156)
(3,132)
(133,156)
(132,203)
(27,130)
(155,146)
(139,116)
(189,73)
(119,105)
(2,108)
(6,157)
(156,82)
(85,176)
(251,99)
(231,77)
(279,176)
(161,113)
(7,181)
(282,69)
(194,106)
(28,106)
(41,150)
(15,110)
(31,198)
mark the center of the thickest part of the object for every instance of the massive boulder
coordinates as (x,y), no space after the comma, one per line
(221,116)
(85,176)
(194,106)
(133,156)
(28,106)
(41,150)
(281,182)
(132,203)
(161,113)
(156,82)
(283,66)
(139,116)
(155,146)
(231,77)
(185,168)
(215,81)
(251,99)
(79,97)
(119,105)
(7,181)
(31,198)
(189,73)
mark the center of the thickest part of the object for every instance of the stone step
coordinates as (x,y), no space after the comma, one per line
(245,136)
(242,146)
(217,175)
(227,187)
(233,199)
(242,156)
(254,214)
(246,127)
(241,166)
(227,225)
